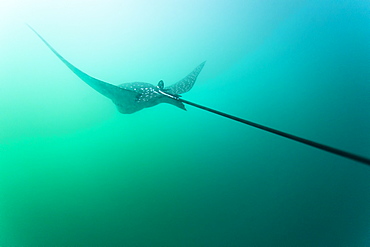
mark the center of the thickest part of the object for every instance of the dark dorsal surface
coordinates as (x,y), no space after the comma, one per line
(186,83)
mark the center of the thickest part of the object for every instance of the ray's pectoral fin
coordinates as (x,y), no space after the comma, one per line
(186,83)
(173,92)
(111,91)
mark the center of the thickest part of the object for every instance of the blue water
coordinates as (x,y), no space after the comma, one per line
(76,172)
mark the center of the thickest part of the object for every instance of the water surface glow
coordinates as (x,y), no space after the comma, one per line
(75,172)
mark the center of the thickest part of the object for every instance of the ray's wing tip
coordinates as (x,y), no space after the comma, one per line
(30,27)
(39,35)
(200,66)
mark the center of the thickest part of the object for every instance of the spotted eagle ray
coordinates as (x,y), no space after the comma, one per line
(135,96)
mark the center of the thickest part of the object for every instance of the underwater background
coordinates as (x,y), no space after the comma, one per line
(76,172)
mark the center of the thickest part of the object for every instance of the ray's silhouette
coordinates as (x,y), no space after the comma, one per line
(135,96)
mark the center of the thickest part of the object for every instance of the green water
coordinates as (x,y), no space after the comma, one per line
(75,172)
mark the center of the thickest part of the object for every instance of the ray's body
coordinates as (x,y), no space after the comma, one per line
(134,96)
